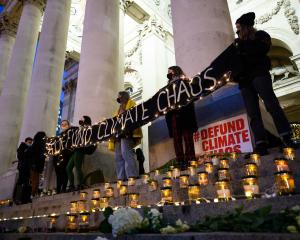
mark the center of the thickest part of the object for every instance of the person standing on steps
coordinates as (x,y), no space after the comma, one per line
(255,81)
(181,124)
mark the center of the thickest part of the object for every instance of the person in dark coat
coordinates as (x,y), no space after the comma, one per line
(23,162)
(181,124)
(141,159)
(36,155)
(60,163)
(255,81)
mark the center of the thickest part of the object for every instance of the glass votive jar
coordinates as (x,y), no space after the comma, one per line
(95,203)
(255,158)
(194,163)
(153,184)
(289,153)
(203,178)
(224,163)
(281,164)
(83,195)
(192,170)
(82,206)
(156,172)
(234,156)
(131,181)
(109,192)
(171,167)
(223,190)
(215,160)
(223,174)
(83,223)
(123,190)
(175,172)
(167,182)
(96,193)
(103,202)
(184,181)
(251,169)
(71,224)
(119,183)
(73,206)
(53,219)
(194,192)
(145,178)
(285,183)
(166,195)
(169,173)
(208,166)
(133,199)
(106,185)
(250,185)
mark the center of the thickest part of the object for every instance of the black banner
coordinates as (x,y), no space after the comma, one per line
(173,96)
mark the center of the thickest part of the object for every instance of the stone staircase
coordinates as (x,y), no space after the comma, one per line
(35,214)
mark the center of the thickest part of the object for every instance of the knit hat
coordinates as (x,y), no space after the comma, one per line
(246,19)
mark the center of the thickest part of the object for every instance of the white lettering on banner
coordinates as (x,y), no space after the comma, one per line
(230,135)
(170,96)
(182,89)
(210,78)
(144,110)
(99,135)
(158,103)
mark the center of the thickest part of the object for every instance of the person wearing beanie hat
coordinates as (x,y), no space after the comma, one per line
(255,81)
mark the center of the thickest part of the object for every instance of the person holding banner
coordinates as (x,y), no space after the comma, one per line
(255,82)
(181,124)
(124,144)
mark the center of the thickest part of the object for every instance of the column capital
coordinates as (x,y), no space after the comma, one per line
(125,4)
(8,26)
(153,26)
(41,4)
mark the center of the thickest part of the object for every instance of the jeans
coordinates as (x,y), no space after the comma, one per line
(262,87)
(125,159)
(75,160)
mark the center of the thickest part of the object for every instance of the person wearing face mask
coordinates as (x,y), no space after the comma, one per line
(255,81)
(77,158)
(181,124)
(60,162)
(124,144)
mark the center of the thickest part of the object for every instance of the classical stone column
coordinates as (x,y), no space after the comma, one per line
(15,88)
(45,88)
(202,30)
(7,40)
(98,77)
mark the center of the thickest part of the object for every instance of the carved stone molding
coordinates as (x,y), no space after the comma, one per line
(169,9)
(153,26)
(125,4)
(7,26)
(41,4)
(289,13)
(157,2)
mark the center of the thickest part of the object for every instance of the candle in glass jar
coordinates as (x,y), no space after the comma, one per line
(251,169)
(71,225)
(103,202)
(82,205)
(73,206)
(123,190)
(106,185)
(224,163)
(167,182)
(156,172)
(169,173)
(255,158)
(192,170)
(95,204)
(175,172)
(166,195)
(193,192)
(194,163)
(109,192)
(223,174)
(83,222)
(145,178)
(153,185)
(52,217)
(234,156)
(96,193)
(184,181)
(203,178)
(289,153)
(119,183)
(281,164)
(83,195)
(250,186)
(208,167)
(223,190)
(285,183)
(131,181)
(133,199)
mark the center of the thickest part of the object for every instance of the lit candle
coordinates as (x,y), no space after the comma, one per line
(194,192)
(169,173)
(82,205)
(251,169)
(123,190)
(53,217)
(71,225)
(285,183)
(119,183)
(109,192)
(194,163)
(133,199)
(106,185)
(192,170)
(184,181)
(166,195)
(224,163)
(289,153)
(175,172)
(250,186)
(215,160)
(131,181)
(153,185)
(95,204)
(208,167)
(104,202)
(73,206)
(234,156)
(281,164)
(223,174)
(156,172)
(83,195)
(203,178)
(83,223)
(145,178)
(96,193)
(171,167)
(223,190)
(167,182)
(255,158)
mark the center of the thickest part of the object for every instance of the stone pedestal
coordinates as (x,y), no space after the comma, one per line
(44,95)
(15,88)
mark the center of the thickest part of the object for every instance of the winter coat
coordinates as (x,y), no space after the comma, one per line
(23,162)
(36,156)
